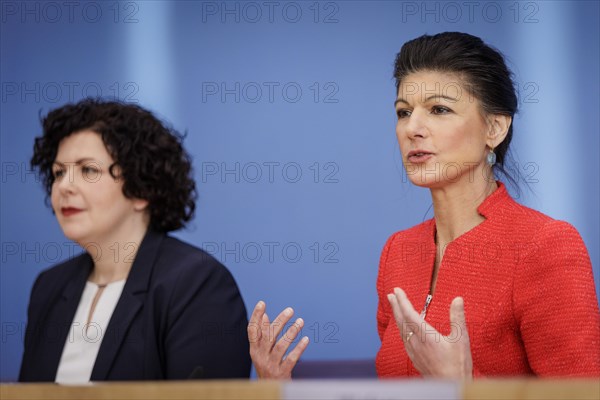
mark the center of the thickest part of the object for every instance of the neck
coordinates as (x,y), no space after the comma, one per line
(455,208)
(113,257)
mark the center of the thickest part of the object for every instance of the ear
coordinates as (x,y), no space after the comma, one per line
(498,129)
(140,204)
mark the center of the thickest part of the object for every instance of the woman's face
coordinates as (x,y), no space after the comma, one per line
(88,202)
(441,130)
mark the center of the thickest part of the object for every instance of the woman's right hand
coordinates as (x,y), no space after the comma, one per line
(266,351)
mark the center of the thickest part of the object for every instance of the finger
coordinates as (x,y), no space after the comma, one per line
(254,325)
(397,315)
(287,338)
(458,322)
(412,319)
(265,328)
(292,358)
(279,323)
(409,312)
(258,312)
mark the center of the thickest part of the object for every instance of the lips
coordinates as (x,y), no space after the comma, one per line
(68,211)
(419,156)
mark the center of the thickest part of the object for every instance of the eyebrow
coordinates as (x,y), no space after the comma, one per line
(77,162)
(435,96)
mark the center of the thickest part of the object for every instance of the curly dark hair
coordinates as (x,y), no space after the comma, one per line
(149,155)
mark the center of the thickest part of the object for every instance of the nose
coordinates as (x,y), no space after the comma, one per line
(67,184)
(416,124)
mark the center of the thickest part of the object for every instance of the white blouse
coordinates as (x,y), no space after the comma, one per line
(84,340)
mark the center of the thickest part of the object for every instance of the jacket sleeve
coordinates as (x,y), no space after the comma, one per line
(555,304)
(205,332)
(33,319)
(384,310)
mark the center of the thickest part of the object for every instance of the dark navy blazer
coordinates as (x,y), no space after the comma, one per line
(180,314)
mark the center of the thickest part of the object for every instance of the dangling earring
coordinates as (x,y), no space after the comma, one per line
(491,157)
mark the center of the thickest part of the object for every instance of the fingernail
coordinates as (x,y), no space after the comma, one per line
(260,304)
(305,339)
(300,321)
(288,311)
(390,297)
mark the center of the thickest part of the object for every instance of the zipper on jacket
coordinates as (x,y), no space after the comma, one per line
(427,302)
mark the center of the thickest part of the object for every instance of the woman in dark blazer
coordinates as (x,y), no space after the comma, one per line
(138,304)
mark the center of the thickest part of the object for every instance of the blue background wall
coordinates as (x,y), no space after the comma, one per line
(290,120)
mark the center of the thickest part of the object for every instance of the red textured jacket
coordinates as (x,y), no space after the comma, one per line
(527,284)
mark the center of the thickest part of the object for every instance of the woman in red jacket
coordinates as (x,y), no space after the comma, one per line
(517,285)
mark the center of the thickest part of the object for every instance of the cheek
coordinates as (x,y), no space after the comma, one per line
(400,136)
(111,193)
(464,137)
(463,147)
(54,196)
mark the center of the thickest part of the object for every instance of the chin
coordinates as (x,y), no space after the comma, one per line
(433,175)
(73,234)
(425,181)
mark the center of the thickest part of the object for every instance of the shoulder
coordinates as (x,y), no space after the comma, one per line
(407,240)
(187,251)
(177,258)
(558,239)
(186,278)
(550,227)
(557,229)
(63,271)
(187,255)
(532,225)
(539,240)
(417,233)
(52,281)
(521,214)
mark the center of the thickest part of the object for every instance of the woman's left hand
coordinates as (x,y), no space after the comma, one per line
(431,353)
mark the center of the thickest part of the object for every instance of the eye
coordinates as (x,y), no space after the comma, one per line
(58,173)
(439,110)
(88,170)
(402,113)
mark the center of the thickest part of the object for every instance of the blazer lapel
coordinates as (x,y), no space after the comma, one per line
(63,313)
(129,305)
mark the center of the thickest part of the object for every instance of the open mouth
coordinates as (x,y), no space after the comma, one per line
(417,156)
(68,211)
